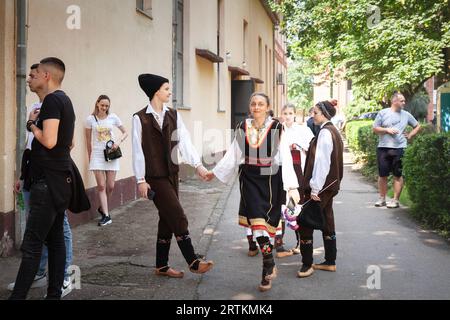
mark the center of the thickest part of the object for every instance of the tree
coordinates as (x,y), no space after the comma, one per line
(300,84)
(385,45)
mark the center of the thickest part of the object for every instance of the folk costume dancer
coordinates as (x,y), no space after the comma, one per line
(156,168)
(258,150)
(298,138)
(323,169)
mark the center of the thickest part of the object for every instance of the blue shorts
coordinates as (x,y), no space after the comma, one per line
(390,160)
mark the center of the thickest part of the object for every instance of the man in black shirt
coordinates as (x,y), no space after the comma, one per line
(51,192)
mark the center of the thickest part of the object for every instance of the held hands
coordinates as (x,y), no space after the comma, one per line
(201,171)
(143,189)
(294,195)
(315,197)
(204,174)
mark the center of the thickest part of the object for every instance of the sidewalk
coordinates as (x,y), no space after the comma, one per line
(413,263)
(117,261)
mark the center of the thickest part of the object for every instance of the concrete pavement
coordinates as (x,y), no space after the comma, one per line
(413,263)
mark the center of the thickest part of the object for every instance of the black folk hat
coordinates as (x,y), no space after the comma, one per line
(151,83)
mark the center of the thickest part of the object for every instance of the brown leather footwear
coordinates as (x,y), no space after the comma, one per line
(325,267)
(284,254)
(171,273)
(203,266)
(252,253)
(305,271)
(268,278)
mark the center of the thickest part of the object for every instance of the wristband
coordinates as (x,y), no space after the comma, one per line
(29,124)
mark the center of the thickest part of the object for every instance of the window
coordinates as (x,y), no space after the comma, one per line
(260,57)
(244,44)
(144,7)
(178,59)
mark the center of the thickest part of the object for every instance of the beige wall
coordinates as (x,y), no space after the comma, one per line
(7,105)
(114,45)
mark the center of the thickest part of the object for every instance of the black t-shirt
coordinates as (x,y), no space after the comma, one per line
(55,165)
(57,105)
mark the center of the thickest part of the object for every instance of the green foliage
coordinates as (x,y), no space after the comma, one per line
(396,45)
(300,84)
(359,106)
(418,105)
(426,167)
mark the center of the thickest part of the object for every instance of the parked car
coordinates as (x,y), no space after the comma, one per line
(368,116)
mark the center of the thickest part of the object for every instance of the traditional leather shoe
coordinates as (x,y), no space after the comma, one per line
(273,275)
(324,266)
(171,273)
(285,253)
(203,266)
(252,253)
(305,271)
(268,278)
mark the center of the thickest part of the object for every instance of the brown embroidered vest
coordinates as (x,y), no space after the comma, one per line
(160,152)
(336,165)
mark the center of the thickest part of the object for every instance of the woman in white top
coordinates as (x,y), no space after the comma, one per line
(298,137)
(99,130)
(258,149)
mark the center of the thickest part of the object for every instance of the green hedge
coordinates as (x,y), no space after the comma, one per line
(363,143)
(426,168)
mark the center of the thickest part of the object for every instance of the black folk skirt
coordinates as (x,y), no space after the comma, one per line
(261,198)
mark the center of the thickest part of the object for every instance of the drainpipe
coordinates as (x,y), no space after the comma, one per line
(21,51)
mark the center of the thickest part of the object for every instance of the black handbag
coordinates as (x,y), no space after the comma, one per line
(110,153)
(311,216)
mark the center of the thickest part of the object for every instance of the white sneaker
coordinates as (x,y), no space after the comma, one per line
(393,204)
(380,203)
(38,282)
(67,288)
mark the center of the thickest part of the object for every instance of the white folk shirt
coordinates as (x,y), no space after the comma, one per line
(322,160)
(234,157)
(185,146)
(300,136)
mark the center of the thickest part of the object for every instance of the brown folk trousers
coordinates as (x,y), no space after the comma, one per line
(172,220)
(326,204)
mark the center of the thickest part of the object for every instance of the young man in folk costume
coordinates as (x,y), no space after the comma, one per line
(258,149)
(323,174)
(157,132)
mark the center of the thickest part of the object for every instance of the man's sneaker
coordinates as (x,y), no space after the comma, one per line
(67,288)
(393,204)
(105,221)
(325,266)
(305,271)
(380,203)
(38,282)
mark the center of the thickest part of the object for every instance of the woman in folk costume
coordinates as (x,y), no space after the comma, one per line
(258,149)
(298,138)
(156,168)
(323,175)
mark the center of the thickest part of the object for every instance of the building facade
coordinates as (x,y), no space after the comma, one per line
(216,53)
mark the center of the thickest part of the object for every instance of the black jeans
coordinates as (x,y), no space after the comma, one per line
(44,225)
